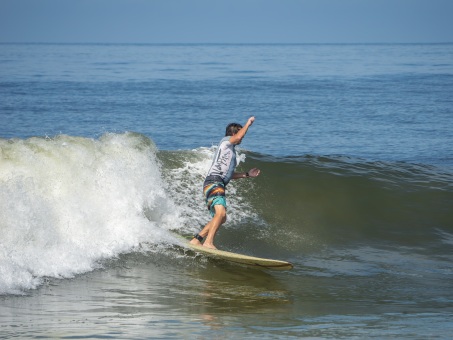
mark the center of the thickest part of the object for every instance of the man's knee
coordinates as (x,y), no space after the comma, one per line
(220,212)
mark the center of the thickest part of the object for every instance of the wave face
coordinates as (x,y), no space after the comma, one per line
(300,205)
(342,200)
(68,204)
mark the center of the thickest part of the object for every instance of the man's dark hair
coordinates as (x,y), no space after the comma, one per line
(232,129)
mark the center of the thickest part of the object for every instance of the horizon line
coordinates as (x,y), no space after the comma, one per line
(222,43)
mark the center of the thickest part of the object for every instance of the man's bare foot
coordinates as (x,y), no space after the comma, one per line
(195,242)
(210,245)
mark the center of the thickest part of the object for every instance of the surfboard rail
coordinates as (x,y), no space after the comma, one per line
(251,261)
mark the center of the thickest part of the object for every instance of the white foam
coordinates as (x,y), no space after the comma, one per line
(67,203)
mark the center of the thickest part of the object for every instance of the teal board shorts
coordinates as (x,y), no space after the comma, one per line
(214,193)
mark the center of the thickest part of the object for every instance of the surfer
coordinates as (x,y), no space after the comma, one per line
(222,170)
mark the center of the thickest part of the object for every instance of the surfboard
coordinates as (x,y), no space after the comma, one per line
(251,261)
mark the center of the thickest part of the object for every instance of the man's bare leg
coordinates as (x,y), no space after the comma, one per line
(218,219)
(210,230)
(202,233)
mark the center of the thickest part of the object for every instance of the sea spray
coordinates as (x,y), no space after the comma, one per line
(69,202)
(185,171)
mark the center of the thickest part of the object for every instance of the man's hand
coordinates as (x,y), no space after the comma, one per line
(254,172)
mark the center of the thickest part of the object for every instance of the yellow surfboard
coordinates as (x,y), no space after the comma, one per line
(247,260)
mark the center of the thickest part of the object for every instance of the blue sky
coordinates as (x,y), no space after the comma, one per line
(226,21)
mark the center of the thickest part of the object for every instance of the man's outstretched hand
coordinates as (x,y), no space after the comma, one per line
(254,172)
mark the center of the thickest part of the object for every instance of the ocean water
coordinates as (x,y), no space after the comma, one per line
(103,151)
